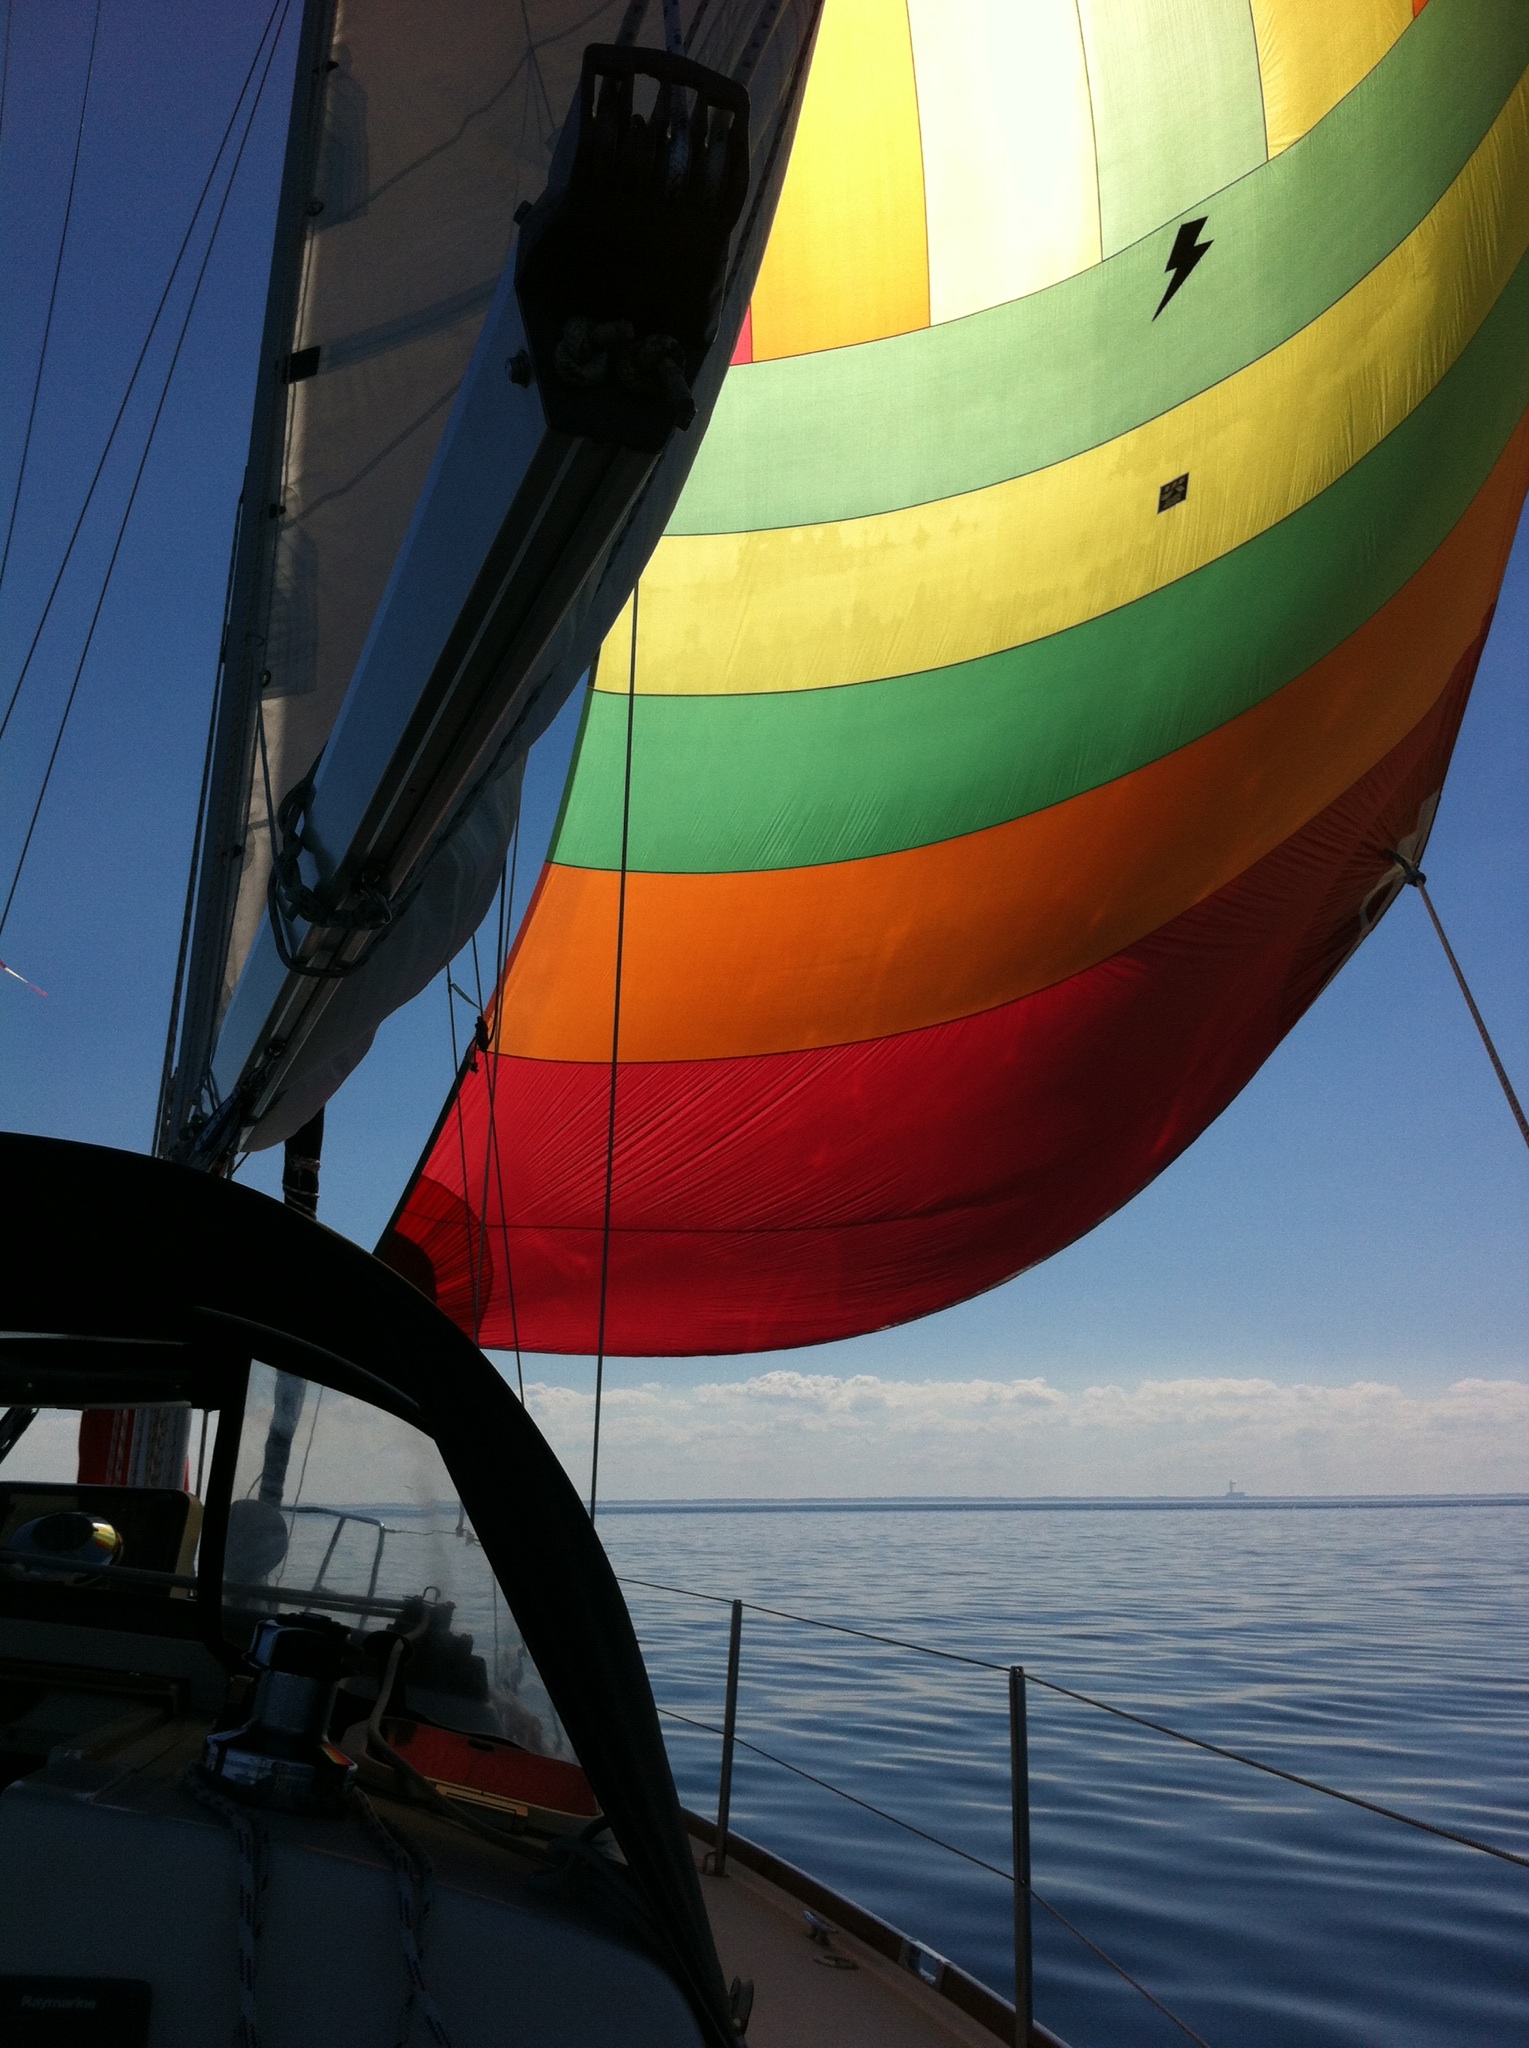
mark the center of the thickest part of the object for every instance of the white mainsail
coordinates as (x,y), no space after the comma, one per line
(418,137)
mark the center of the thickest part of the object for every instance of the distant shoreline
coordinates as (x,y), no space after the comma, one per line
(1067,1504)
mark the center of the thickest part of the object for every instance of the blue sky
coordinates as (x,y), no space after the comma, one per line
(1359,1216)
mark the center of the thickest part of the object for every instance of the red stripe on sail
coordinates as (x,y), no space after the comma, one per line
(793,1198)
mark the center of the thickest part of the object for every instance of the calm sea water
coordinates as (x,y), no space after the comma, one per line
(1381,1649)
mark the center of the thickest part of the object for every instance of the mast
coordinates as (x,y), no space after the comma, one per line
(218,859)
(299,1192)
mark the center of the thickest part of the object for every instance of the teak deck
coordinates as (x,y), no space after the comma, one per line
(866,1986)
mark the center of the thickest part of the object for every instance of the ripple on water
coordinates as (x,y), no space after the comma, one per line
(1382,1650)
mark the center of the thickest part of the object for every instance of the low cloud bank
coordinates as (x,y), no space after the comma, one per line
(794,1434)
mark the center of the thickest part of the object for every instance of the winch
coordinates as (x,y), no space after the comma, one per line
(281,1756)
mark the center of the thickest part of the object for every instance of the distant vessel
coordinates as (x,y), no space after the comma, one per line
(1234,1491)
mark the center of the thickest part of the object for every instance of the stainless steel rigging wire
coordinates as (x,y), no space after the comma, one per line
(58,265)
(127,510)
(610,1133)
(1416,879)
(459,1069)
(493,1151)
(167,1061)
(5,68)
(132,382)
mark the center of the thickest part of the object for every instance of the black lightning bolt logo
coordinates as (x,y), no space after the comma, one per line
(1185,254)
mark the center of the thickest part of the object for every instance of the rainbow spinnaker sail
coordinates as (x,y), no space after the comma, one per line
(1070,612)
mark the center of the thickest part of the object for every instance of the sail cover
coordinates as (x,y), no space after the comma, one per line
(1070,613)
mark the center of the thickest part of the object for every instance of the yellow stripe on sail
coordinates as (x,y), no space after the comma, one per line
(908,591)
(847,258)
(1312,52)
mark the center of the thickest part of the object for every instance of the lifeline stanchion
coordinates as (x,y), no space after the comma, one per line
(1019,1781)
(978,1862)
(729,1728)
(1252,1763)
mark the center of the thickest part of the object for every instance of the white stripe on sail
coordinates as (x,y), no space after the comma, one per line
(1009,183)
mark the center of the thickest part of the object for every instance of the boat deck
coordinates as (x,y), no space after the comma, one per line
(111,1797)
(828,1974)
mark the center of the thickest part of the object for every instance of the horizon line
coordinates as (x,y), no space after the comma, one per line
(1043,1503)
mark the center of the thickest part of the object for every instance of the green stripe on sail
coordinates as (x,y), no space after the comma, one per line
(800,777)
(1177,103)
(1001,393)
